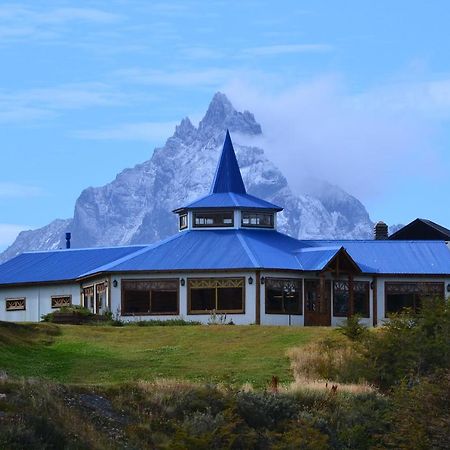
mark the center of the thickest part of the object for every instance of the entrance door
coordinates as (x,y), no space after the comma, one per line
(317,302)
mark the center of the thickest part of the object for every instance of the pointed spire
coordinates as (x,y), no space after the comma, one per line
(228,176)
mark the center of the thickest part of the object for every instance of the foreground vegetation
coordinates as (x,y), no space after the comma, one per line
(353,388)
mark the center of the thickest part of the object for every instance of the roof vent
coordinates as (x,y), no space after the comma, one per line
(380,231)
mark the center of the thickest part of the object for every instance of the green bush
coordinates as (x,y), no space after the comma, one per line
(73,309)
(165,323)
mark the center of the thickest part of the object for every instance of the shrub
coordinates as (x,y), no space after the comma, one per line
(76,310)
(166,323)
(353,329)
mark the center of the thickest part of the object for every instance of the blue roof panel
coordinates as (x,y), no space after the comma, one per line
(58,265)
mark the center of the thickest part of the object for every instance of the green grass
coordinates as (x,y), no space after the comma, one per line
(104,354)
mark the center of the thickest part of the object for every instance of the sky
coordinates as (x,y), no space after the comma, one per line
(354,92)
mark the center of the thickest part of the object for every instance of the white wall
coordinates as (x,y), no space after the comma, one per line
(38,300)
(247,317)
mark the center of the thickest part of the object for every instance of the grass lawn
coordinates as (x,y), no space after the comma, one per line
(105,354)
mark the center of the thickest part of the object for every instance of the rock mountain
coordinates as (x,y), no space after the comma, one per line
(136,207)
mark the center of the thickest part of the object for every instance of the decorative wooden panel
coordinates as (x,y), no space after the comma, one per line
(208,283)
(148,285)
(61,301)
(16,304)
(422,288)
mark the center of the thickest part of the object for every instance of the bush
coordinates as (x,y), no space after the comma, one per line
(353,329)
(165,323)
(75,310)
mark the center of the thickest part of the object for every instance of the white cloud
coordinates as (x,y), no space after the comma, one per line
(8,232)
(367,143)
(209,77)
(272,50)
(18,190)
(143,131)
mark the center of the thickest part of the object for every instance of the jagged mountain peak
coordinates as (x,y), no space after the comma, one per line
(136,206)
(222,115)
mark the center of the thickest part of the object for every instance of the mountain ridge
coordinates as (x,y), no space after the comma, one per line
(136,207)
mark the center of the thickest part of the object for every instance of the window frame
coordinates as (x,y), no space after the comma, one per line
(176,285)
(181,219)
(300,282)
(57,297)
(213,213)
(416,295)
(256,213)
(351,287)
(15,299)
(208,284)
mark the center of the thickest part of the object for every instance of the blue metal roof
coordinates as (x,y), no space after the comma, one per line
(395,257)
(58,265)
(228,176)
(228,189)
(227,250)
(232,200)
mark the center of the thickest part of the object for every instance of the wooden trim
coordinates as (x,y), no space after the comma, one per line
(408,282)
(258,298)
(351,297)
(15,299)
(191,312)
(283,313)
(375,302)
(54,297)
(122,297)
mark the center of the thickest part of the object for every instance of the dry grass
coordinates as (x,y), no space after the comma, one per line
(323,386)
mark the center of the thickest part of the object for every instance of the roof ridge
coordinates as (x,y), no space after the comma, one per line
(125,258)
(245,246)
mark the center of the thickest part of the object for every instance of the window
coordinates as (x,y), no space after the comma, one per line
(100,292)
(409,295)
(214,219)
(16,304)
(341,298)
(224,295)
(183,221)
(146,297)
(88,298)
(59,301)
(252,219)
(283,296)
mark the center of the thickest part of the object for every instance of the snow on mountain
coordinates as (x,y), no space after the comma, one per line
(136,206)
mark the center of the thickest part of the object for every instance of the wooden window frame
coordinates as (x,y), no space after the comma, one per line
(56,297)
(181,218)
(267,282)
(254,213)
(175,281)
(352,286)
(213,283)
(15,299)
(217,213)
(420,284)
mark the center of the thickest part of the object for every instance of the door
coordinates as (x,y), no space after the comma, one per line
(317,303)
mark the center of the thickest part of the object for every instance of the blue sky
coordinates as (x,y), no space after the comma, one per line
(355,92)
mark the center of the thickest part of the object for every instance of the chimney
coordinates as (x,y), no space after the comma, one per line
(68,236)
(380,231)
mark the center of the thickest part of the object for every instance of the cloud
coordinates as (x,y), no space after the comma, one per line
(368,143)
(143,131)
(17,190)
(8,232)
(273,50)
(18,21)
(209,77)
(41,103)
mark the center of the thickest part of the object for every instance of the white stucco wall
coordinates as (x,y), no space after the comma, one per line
(38,300)
(247,317)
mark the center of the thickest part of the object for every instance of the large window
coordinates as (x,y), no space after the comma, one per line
(146,297)
(253,219)
(283,296)
(223,295)
(59,301)
(341,298)
(409,295)
(213,219)
(16,304)
(88,298)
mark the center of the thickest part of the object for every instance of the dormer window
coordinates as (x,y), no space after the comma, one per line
(213,219)
(257,219)
(183,221)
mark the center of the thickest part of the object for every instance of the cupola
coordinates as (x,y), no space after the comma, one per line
(228,205)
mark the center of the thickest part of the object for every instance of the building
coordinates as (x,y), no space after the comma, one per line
(422,229)
(228,257)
